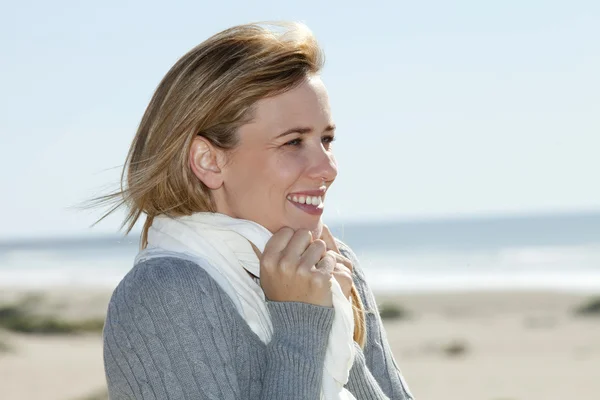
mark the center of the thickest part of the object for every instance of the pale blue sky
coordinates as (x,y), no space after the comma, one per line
(443,108)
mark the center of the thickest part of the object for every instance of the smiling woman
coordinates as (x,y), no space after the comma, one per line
(240,291)
(283,152)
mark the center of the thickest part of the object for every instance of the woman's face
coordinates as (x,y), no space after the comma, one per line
(280,171)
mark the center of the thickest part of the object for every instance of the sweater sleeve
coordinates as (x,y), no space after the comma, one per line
(171,332)
(375,374)
(296,352)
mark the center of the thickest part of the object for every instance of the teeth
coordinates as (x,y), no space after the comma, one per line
(310,200)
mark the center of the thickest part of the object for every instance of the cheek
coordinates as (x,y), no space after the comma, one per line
(287,170)
(248,172)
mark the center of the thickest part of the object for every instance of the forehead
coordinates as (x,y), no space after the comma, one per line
(306,105)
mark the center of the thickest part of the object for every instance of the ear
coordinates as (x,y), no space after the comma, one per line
(206,161)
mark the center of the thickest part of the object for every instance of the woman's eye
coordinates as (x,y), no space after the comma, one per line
(295,142)
(328,139)
(298,141)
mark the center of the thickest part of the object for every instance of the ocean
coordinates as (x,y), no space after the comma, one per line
(559,252)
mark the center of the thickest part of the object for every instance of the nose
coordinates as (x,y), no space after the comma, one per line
(323,165)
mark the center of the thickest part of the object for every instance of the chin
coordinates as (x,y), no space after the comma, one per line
(316,232)
(315,226)
(316,229)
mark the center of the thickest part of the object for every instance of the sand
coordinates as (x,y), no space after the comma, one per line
(467,346)
(515,346)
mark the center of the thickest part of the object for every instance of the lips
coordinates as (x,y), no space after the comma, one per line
(310,201)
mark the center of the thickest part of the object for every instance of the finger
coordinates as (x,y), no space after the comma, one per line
(341,268)
(326,265)
(279,240)
(275,245)
(341,259)
(296,247)
(313,254)
(344,277)
(327,237)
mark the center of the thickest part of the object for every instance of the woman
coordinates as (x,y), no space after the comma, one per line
(240,291)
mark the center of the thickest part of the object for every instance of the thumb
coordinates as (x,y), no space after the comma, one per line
(327,237)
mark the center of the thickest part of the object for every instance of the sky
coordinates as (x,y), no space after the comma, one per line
(443,109)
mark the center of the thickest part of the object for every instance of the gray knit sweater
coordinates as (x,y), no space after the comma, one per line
(172,333)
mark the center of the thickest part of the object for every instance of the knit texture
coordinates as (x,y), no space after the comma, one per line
(171,332)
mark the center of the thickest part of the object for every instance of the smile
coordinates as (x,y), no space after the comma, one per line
(310,200)
(310,204)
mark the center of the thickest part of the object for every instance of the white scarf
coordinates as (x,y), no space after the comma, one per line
(221,245)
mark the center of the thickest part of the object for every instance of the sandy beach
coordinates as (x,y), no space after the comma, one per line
(467,346)
(497,346)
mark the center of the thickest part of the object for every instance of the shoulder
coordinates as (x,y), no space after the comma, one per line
(165,288)
(169,326)
(171,274)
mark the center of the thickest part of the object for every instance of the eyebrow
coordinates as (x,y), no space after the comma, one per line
(303,130)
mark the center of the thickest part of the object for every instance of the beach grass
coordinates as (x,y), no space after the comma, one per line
(391,311)
(455,348)
(21,317)
(589,308)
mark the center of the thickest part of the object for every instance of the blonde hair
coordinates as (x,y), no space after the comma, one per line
(210,91)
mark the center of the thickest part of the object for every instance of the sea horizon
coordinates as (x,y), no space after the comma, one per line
(559,251)
(586,222)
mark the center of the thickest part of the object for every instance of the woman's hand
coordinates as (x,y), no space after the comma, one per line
(294,267)
(343,267)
